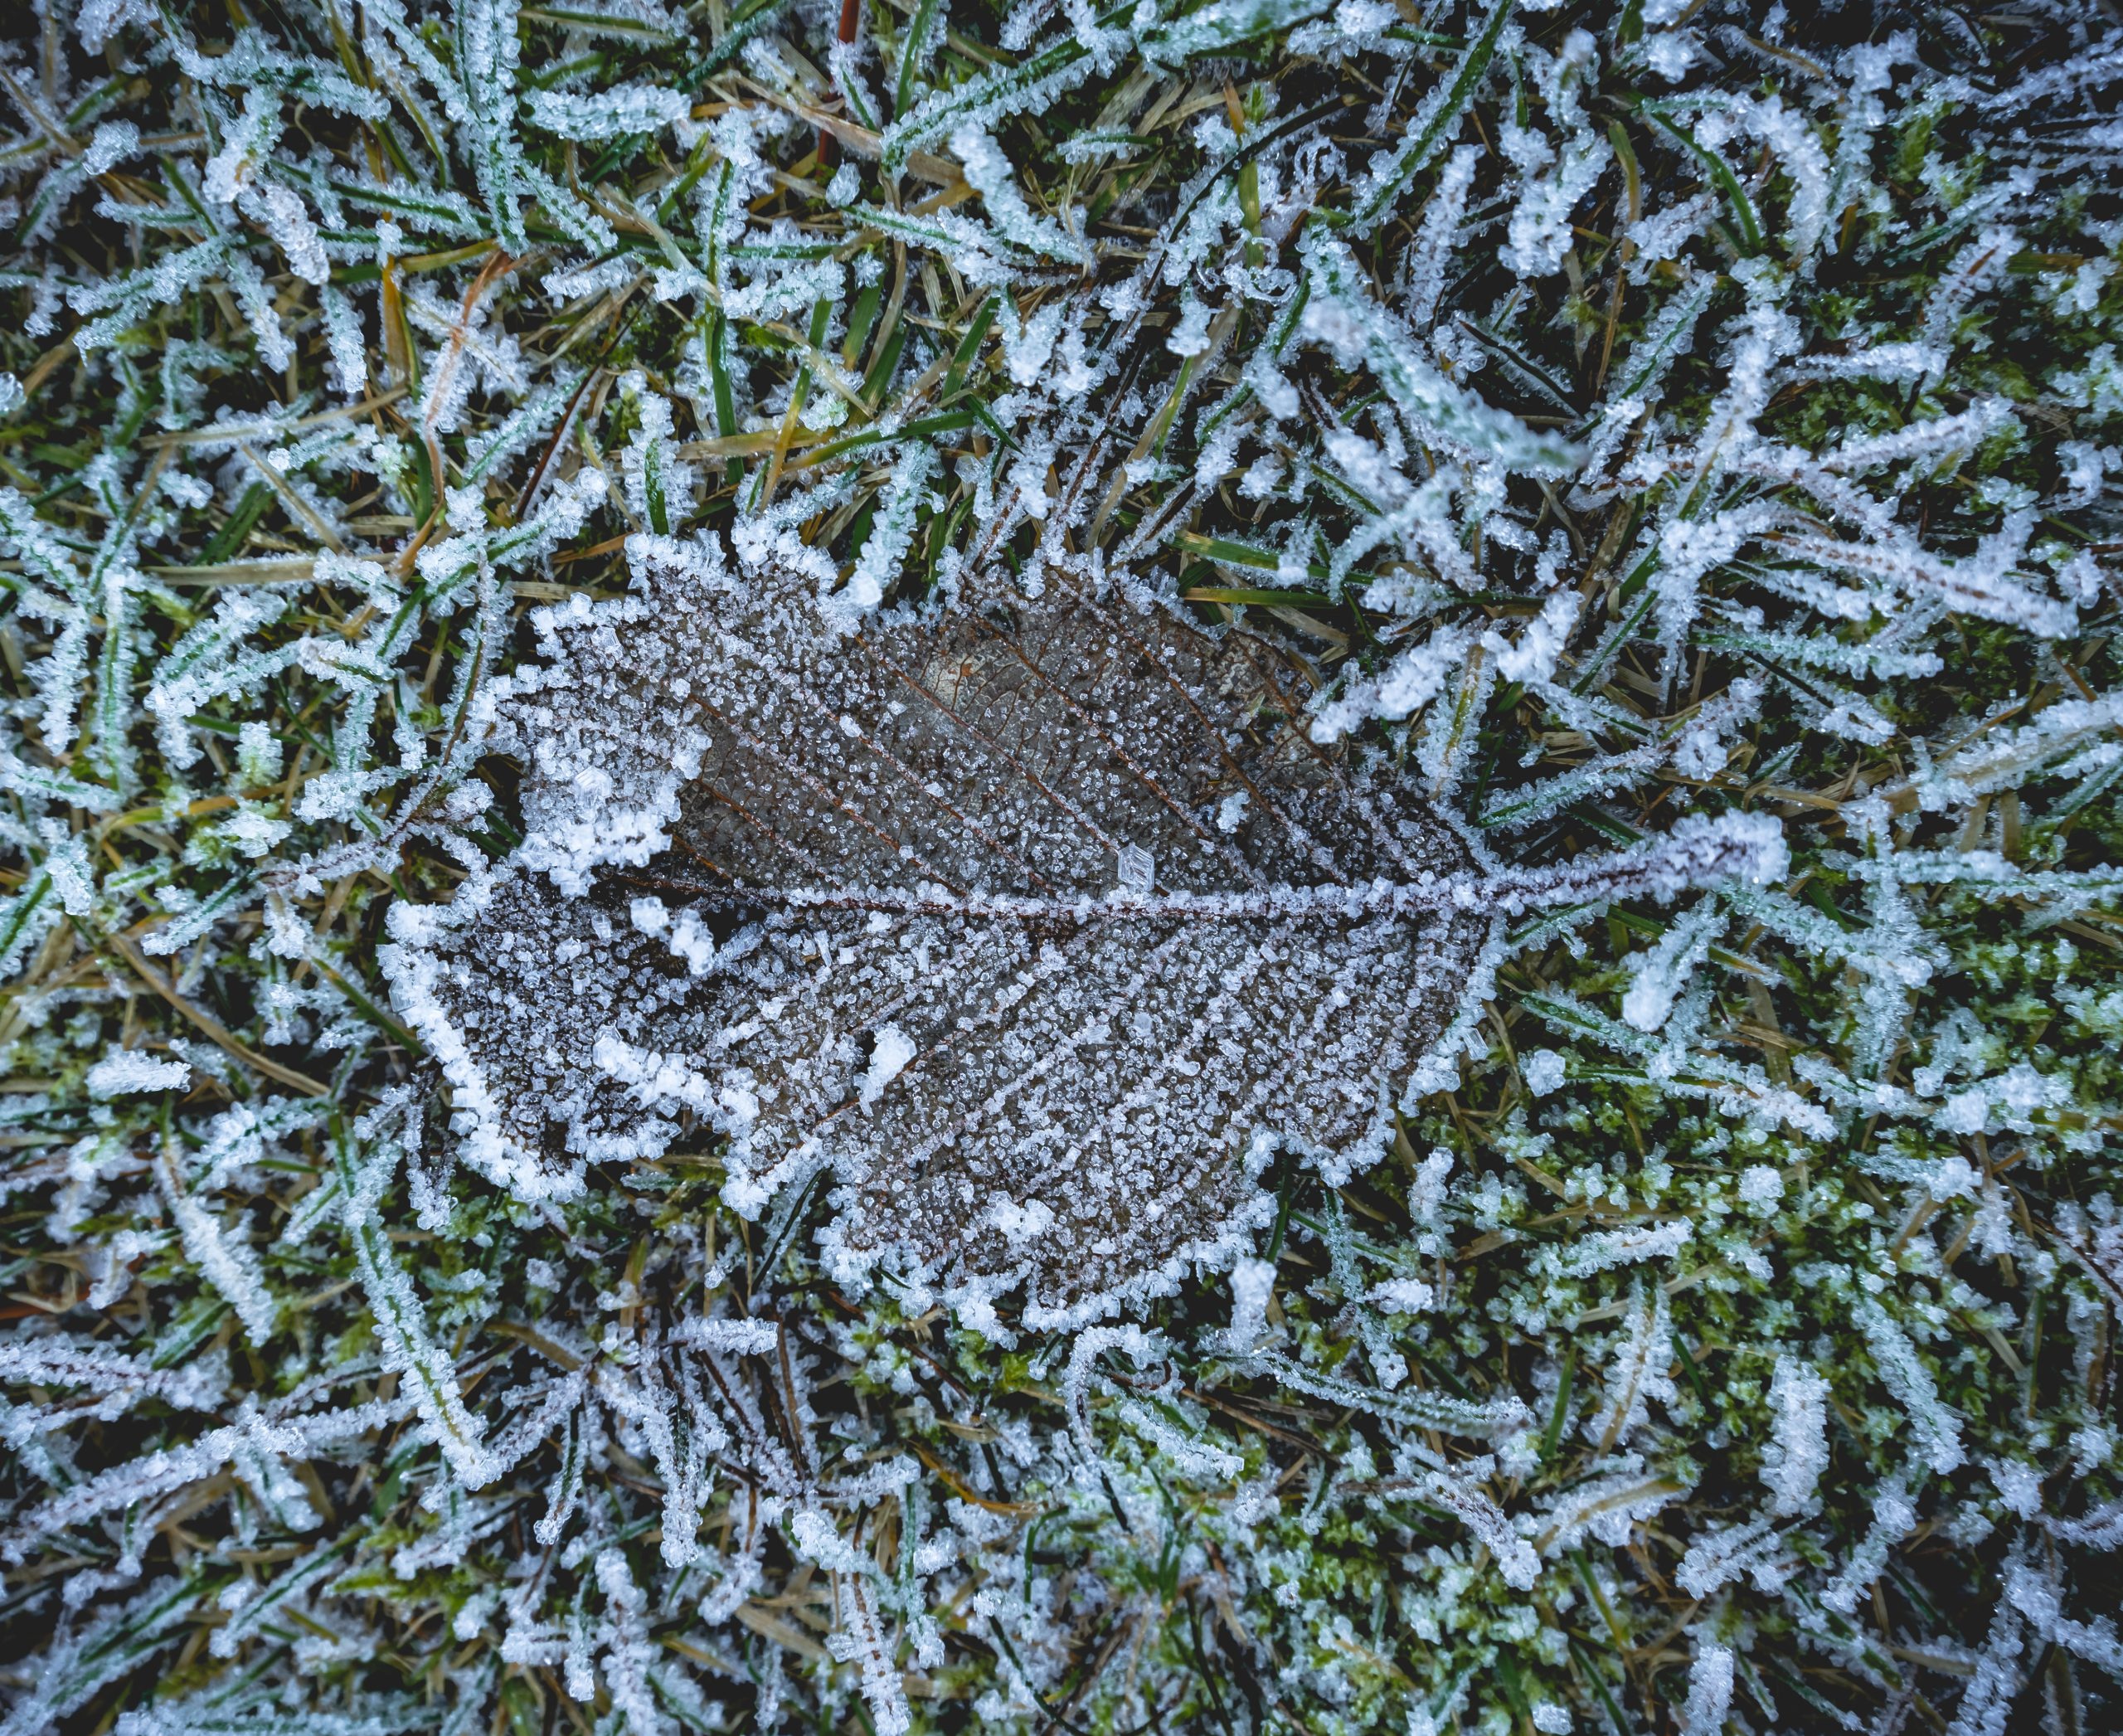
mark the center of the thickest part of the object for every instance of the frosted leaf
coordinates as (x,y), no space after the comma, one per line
(979,939)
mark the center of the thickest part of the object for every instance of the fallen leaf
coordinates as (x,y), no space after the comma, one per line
(1041,922)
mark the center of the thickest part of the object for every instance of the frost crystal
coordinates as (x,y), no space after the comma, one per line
(125,1071)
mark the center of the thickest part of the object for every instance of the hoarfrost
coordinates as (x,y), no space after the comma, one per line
(1099,508)
(127,1070)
